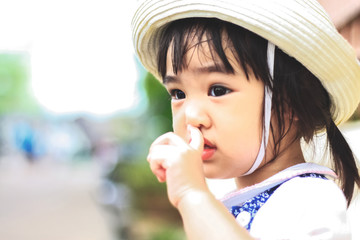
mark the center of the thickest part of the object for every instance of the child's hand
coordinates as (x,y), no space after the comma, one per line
(178,163)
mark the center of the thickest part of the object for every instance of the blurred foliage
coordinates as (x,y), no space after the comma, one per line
(167,233)
(159,108)
(134,169)
(139,178)
(14,81)
(150,196)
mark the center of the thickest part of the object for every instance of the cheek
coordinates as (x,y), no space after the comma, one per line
(179,126)
(244,138)
(245,127)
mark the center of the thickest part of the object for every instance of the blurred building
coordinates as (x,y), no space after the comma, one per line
(345,15)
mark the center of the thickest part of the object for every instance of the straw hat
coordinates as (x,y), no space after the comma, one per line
(301,28)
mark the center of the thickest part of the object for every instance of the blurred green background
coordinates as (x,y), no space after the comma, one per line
(117,143)
(77,116)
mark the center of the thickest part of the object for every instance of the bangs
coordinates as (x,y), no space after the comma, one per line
(248,49)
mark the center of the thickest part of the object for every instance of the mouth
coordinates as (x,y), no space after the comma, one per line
(209,150)
(208,144)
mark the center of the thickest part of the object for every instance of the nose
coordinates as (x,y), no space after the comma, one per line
(197,115)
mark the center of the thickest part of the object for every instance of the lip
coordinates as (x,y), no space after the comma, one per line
(209,150)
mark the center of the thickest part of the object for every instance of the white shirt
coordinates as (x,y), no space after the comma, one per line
(301,208)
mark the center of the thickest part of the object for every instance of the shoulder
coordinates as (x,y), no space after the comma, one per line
(303,207)
(310,190)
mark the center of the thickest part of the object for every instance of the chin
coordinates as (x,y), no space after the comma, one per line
(216,175)
(211,175)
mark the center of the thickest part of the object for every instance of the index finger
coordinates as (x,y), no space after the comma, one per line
(169,138)
(197,140)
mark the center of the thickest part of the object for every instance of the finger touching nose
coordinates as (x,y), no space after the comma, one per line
(196,138)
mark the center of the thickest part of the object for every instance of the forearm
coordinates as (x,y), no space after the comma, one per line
(204,217)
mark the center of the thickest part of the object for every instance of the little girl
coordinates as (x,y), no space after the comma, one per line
(249,80)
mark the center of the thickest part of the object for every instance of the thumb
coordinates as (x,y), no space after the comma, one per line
(197,140)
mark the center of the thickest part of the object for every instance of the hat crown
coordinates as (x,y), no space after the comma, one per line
(301,28)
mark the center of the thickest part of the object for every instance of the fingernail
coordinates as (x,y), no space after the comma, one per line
(189,127)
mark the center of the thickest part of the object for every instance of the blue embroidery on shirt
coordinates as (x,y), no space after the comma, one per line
(253,205)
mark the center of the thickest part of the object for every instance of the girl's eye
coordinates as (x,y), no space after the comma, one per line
(177,94)
(217,91)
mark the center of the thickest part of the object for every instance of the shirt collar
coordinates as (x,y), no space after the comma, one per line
(240,196)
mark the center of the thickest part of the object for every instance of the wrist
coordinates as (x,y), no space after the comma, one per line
(194,198)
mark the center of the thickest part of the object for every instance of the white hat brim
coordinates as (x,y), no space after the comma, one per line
(301,28)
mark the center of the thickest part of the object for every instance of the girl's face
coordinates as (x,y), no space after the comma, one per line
(226,107)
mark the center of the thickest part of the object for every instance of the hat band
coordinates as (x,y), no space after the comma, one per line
(267,110)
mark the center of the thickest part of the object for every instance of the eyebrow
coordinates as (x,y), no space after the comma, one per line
(213,68)
(170,79)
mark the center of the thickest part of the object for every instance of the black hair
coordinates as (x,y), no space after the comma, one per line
(295,89)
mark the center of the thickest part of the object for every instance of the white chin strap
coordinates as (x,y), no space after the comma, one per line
(267,110)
